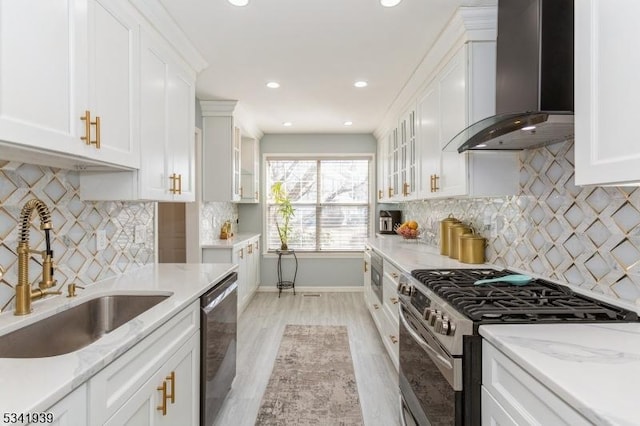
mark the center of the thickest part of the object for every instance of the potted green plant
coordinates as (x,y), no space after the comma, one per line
(285,210)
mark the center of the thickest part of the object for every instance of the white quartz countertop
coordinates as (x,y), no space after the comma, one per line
(410,254)
(33,385)
(595,368)
(237,239)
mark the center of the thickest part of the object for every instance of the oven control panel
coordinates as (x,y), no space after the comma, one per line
(437,316)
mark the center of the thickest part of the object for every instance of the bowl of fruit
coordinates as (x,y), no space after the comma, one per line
(408,230)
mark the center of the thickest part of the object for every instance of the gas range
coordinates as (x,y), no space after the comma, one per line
(440,349)
(452,306)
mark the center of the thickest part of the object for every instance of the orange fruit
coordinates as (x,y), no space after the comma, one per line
(413,224)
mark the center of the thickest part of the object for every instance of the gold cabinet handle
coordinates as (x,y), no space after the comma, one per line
(163,405)
(179,184)
(390,192)
(87,127)
(241,253)
(97,124)
(434,183)
(172,378)
(394,275)
(393,300)
(376,306)
(365,267)
(173,178)
(379,194)
(250,249)
(256,243)
(405,189)
(393,338)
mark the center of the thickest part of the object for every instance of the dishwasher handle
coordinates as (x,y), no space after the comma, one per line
(220,288)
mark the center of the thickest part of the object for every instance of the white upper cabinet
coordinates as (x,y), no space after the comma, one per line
(381,177)
(61,59)
(407,156)
(223,133)
(113,69)
(37,41)
(451,89)
(250,170)
(167,133)
(606,110)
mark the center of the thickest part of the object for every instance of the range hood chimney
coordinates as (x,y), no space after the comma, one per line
(534,79)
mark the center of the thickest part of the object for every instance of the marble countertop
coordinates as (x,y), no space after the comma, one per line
(410,254)
(237,239)
(595,368)
(33,385)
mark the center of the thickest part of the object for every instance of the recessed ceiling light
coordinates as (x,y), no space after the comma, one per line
(287,124)
(273,85)
(482,145)
(525,128)
(361,83)
(239,2)
(348,123)
(390,3)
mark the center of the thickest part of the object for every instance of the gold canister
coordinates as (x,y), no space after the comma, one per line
(472,248)
(444,233)
(454,238)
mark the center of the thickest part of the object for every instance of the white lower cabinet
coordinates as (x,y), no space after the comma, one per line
(126,391)
(246,255)
(385,312)
(511,396)
(170,397)
(70,410)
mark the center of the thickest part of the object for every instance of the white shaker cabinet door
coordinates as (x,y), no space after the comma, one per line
(113,75)
(181,132)
(40,98)
(606,87)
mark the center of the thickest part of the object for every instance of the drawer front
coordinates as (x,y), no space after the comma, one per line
(493,414)
(390,336)
(390,298)
(522,396)
(391,272)
(116,383)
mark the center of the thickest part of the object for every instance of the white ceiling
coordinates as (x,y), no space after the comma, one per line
(316,50)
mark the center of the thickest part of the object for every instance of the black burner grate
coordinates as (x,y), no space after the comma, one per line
(538,301)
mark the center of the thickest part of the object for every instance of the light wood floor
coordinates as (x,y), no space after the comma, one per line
(260,330)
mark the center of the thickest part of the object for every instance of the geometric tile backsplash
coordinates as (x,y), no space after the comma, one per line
(74,225)
(588,236)
(212,217)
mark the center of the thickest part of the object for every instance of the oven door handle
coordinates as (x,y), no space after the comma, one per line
(423,344)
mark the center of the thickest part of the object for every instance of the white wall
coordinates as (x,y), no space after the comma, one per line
(312,271)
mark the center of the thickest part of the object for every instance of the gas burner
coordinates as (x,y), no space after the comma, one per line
(538,301)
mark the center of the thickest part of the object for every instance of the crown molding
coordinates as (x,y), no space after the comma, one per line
(222,108)
(158,17)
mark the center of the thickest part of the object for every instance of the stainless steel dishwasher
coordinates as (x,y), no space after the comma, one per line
(218,323)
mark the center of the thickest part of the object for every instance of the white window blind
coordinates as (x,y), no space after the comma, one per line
(331,201)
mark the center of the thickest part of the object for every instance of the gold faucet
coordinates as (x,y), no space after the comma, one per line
(24,293)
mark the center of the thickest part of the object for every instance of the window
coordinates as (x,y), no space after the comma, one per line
(331,201)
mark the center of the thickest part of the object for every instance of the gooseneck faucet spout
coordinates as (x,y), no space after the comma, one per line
(24,293)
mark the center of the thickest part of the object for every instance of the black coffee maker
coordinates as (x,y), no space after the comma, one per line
(389,220)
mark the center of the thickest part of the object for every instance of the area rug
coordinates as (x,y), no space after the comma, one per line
(312,382)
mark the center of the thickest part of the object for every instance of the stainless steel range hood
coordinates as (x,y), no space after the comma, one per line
(534,79)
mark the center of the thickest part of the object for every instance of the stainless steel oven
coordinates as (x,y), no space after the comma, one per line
(430,378)
(376,274)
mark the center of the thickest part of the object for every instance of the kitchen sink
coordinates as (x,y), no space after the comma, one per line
(75,328)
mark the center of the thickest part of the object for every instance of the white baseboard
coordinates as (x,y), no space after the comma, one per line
(309,289)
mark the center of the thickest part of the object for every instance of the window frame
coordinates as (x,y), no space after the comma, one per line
(317,157)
